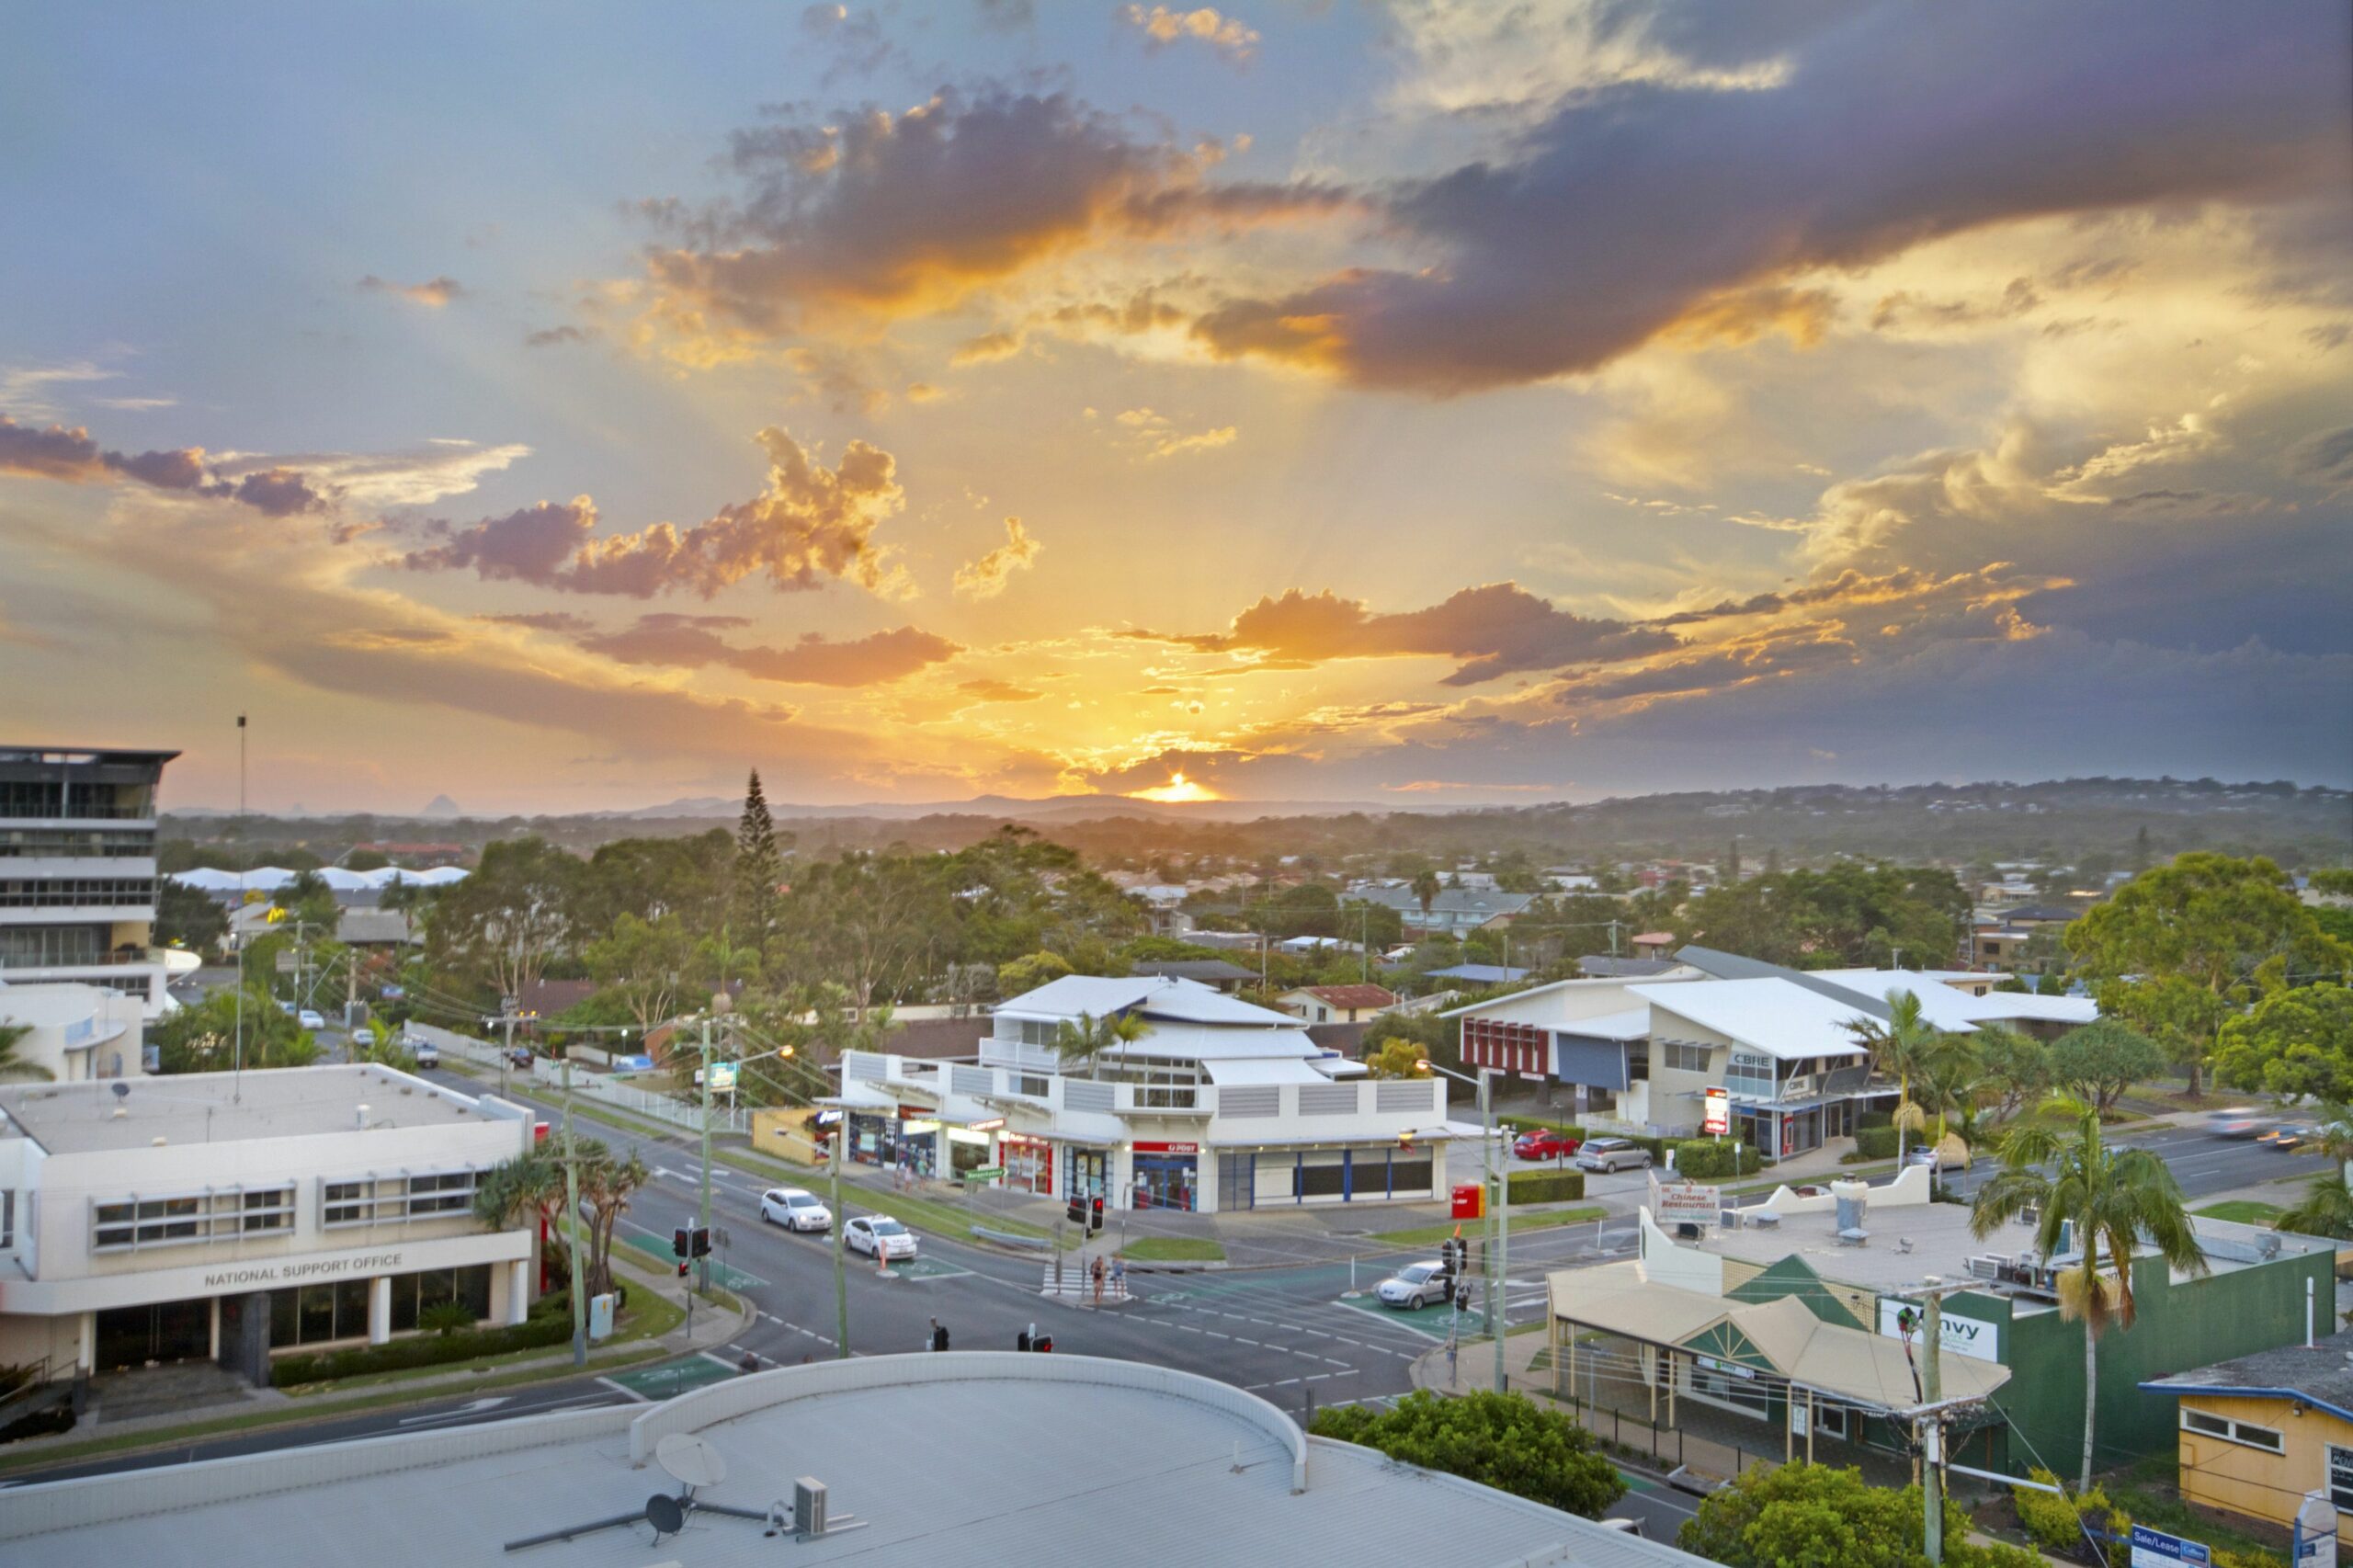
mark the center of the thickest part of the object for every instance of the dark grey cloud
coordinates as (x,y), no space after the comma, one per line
(1633,207)
(72,457)
(2325,456)
(810,525)
(1494,630)
(888,212)
(689,642)
(549,338)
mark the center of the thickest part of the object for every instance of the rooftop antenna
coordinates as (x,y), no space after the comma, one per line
(693,1463)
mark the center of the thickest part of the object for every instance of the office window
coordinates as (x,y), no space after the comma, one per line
(2210,1426)
(391,1200)
(7,1218)
(1684,1058)
(189,1218)
(2340,1478)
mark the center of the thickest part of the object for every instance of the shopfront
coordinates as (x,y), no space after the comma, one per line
(1087,1172)
(1256,1179)
(1167,1175)
(1028,1163)
(967,1151)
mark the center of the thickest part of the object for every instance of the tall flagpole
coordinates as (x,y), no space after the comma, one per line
(237,1051)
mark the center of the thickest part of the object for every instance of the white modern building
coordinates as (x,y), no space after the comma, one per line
(1640,1055)
(77,869)
(225,1216)
(74,1032)
(1219,1105)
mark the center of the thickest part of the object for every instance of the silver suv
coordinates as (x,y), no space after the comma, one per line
(1612,1155)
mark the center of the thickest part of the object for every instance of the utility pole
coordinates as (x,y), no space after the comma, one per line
(1502,1266)
(245,857)
(506,1008)
(841,1281)
(572,1213)
(720,1003)
(1932,1324)
(1487,1219)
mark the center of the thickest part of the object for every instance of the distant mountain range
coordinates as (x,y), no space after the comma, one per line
(1052,808)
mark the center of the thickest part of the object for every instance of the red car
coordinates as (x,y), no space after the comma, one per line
(1544,1144)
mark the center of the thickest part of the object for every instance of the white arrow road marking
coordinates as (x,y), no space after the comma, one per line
(473,1407)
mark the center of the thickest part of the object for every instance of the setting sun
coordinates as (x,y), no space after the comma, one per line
(1178,790)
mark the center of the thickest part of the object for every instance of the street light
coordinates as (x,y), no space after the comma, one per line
(1499,1213)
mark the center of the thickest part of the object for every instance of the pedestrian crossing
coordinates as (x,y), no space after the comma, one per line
(1072,1283)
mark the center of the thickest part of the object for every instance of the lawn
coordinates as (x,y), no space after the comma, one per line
(1430,1236)
(1173,1249)
(2245,1211)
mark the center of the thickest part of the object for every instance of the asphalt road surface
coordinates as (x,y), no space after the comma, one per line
(2203,1163)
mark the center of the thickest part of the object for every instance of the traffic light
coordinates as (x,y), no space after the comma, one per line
(1462,1298)
(1076,1212)
(1095,1216)
(690,1242)
(701,1242)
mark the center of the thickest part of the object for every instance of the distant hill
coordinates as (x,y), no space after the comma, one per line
(1051,808)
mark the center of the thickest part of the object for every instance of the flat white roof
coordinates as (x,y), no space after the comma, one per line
(1264,1070)
(1155,996)
(214,1107)
(966,1459)
(1784,1021)
(1631,1024)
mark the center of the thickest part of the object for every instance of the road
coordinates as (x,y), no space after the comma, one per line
(2203,1163)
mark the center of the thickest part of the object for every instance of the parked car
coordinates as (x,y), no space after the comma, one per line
(287,1009)
(1951,1157)
(879,1235)
(424,1052)
(520,1057)
(1543,1143)
(795,1210)
(308,1019)
(1612,1155)
(1415,1286)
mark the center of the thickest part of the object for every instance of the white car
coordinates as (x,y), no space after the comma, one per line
(795,1210)
(424,1052)
(310,1019)
(879,1235)
(1415,1286)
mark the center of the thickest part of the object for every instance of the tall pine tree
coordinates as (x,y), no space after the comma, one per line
(759,866)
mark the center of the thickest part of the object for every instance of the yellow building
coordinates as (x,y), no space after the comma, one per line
(2260,1432)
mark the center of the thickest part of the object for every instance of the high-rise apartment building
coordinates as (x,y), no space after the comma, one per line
(77,869)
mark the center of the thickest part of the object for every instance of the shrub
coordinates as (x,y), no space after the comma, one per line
(1547,1187)
(1874,1118)
(2055,1520)
(1875,1142)
(549,1324)
(1502,1440)
(446,1318)
(1703,1158)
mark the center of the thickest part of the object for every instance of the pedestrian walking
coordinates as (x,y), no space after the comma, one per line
(1119,1277)
(1098,1272)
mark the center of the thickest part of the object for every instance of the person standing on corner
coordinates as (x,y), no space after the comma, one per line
(938,1334)
(1097,1272)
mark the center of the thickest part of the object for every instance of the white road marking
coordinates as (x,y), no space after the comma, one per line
(624,1388)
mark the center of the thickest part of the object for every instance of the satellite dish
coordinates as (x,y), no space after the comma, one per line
(689,1460)
(665,1514)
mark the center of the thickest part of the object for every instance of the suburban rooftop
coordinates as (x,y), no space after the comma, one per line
(216,1108)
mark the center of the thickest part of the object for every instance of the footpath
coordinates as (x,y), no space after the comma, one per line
(225,1406)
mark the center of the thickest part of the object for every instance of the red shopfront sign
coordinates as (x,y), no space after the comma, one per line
(1506,1047)
(1142,1147)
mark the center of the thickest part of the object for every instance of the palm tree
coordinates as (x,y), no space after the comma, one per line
(14,1069)
(527,1188)
(2110,1200)
(1425,891)
(2327,1208)
(1082,1043)
(1900,1045)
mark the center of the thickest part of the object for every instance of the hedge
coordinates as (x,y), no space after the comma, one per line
(1874,1118)
(1546,1187)
(546,1325)
(1876,1142)
(1703,1158)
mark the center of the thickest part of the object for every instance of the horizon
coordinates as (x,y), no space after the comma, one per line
(1404,405)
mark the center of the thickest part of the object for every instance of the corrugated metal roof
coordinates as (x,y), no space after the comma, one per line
(1784,1021)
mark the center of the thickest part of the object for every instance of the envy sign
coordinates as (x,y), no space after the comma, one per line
(1973,1337)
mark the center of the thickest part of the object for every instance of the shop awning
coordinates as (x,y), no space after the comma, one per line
(1847,1364)
(1265,1070)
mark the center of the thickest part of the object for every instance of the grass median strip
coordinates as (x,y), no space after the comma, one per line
(2245,1211)
(1430,1236)
(1174,1249)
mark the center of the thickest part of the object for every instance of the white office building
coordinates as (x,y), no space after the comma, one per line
(228,1216)
(77,869)
(1219,1105)
(74,1032)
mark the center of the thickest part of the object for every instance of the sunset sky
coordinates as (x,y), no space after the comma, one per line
(562,407)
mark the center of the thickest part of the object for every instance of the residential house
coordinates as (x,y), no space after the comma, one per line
(1653,944)
(1337,1004)
(2260,1432)
(1215,974)
(1454,912)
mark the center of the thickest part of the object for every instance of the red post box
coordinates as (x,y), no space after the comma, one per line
(1470,1202)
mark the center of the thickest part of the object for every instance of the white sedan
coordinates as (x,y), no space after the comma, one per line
(795,1210)
(879,1235)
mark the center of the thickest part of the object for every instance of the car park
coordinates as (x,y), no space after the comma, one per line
(1607,1154)
(795,1210)
(1543,1143)
(1416,1286)
(879,1235)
